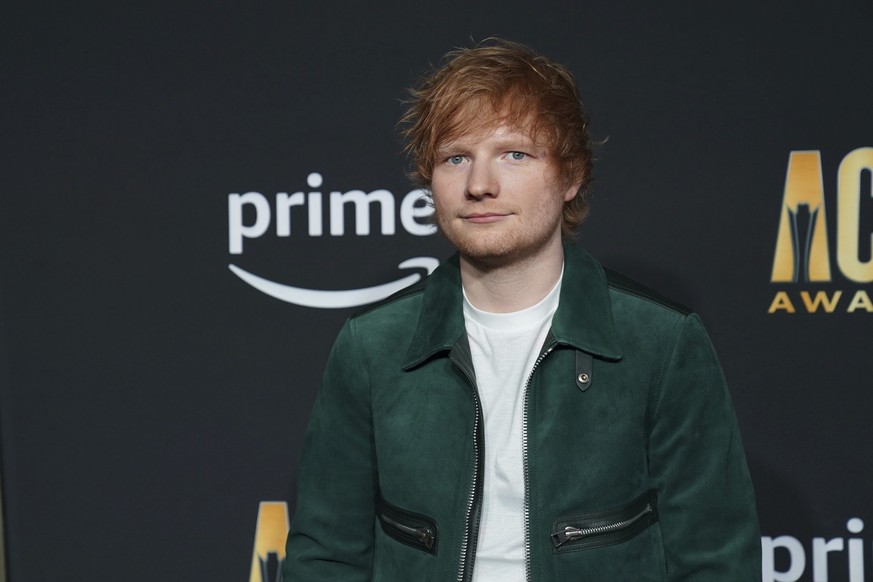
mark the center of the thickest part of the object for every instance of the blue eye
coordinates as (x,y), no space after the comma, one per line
(455,160)
(517,155)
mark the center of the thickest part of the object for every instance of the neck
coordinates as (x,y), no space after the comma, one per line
(514,285)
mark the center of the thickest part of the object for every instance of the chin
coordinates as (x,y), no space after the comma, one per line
(480,245)
(490,253)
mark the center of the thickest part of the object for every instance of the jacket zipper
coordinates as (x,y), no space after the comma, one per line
(524,423)
(468,546)
(424,534)
(571,533)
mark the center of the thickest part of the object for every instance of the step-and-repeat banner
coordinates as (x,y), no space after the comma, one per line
(195,198)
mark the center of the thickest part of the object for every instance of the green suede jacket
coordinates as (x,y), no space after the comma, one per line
(633,464)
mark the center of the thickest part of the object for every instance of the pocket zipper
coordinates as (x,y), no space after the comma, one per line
(571,533)
(423,534)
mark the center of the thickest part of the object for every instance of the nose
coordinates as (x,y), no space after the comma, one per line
(482,181)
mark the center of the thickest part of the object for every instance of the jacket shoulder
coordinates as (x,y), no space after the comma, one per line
(396,300)
(623,285)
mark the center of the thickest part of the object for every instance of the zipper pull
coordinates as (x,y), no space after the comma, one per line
(569,533)
(425,536)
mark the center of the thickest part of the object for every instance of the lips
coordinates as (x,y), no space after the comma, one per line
(484,217)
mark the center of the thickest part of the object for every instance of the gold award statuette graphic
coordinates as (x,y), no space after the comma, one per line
(270,534)
(802,254)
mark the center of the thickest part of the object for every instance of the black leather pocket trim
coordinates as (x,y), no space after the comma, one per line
(409,528)
(598,529)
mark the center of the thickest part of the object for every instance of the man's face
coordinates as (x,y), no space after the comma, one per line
(497,197)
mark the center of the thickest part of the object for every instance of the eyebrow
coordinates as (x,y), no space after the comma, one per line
(508,142)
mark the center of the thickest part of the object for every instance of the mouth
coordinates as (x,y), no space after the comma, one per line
(484,217)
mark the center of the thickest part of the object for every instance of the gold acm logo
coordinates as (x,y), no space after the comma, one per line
(802,258)
(270,534)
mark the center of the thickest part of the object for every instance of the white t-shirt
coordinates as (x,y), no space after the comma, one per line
(504,347)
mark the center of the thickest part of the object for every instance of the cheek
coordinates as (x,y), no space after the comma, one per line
(437,196)
(442,186)
(440,201)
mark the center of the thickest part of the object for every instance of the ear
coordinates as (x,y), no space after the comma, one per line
(571,192)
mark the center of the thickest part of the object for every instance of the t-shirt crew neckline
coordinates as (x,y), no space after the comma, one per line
(530,316)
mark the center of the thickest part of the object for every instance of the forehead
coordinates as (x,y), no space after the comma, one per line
(496,133)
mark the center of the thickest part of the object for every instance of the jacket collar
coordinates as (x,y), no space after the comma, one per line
(441,320)
(583,319)
(584,316)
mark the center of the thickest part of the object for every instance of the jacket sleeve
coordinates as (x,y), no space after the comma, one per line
(706,503)
(331,536)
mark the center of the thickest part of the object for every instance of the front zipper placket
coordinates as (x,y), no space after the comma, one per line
(524,426)
(473,508)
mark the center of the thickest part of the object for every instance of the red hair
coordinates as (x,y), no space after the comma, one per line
(496,82)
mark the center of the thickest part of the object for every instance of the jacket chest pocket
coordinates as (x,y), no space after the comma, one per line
(412,529)
(585,531)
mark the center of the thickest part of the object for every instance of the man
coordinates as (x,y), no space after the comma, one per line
(522,414)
